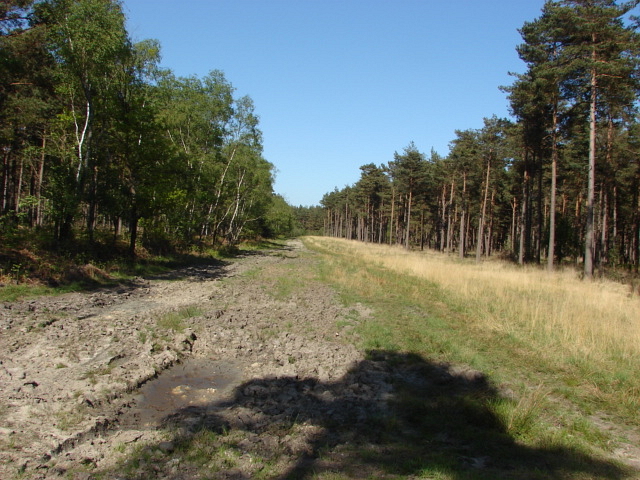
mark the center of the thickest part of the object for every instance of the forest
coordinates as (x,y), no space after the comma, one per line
(559,182)
(98,141)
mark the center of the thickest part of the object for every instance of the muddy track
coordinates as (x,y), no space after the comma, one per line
(249,362)
(74,368)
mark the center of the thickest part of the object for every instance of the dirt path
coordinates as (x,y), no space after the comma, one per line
(77,372)
(246,369)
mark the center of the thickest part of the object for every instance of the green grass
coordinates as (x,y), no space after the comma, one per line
(93,374)
(422,317)
(263,244)
(549,397)
(279,281)
(205,454)
(174,320)
(14,292)
(67,420)
(285,286)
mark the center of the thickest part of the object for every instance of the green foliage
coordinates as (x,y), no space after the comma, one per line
(96,134)
(309,220)
(280,220)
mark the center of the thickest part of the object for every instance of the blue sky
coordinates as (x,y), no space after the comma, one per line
(341,83)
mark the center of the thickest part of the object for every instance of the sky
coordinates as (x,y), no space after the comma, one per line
(338,84)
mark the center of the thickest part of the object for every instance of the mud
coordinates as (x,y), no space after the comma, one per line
(84,374)
(195,382)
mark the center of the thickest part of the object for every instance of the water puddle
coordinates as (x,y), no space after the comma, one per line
(197,382)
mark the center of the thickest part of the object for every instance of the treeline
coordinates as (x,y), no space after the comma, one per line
(561,181)
(95,136)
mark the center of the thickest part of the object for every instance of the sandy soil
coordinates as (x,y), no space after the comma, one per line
(81,375)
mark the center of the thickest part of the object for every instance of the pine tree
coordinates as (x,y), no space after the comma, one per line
(601,53)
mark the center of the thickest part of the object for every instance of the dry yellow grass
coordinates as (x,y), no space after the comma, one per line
(598,318)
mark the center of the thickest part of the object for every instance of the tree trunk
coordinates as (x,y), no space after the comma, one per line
(93,203)
(615,240)
(449,246)
(408,223)
(133,232)
(539,210)
(589,231)
(636,235)
(514,210)
(422,229)
(66,228)
(461,242)
(393,205)
(603,220)
(443,219)
(38,189)
(18,186)
(552,200)
(481,221)
(467,230)
(605,240)
(524,227)
(380,224)
(489,243)
(5,181)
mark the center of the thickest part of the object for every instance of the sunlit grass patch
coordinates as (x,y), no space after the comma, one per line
(174,320)
(597,319)
(575,343)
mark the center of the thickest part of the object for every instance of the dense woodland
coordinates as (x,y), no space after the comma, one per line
(559,182)
(96,138)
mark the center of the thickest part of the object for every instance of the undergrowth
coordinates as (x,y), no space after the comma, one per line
(31,264)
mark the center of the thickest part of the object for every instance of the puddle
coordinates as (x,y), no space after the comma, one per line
(197,382)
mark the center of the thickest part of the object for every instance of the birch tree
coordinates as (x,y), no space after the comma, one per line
(86,39)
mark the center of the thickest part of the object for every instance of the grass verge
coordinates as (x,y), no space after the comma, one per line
(558,351)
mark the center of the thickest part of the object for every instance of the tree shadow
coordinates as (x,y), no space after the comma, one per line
(265,247)
(391,416)
(199,270)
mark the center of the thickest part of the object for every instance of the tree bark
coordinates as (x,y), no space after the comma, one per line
(133,232)
(524,227)
(461,248)
(406,242)
(5,180)
(38,189)
(589,227)
(552,201)
(481,222)
(449,245)
(489,243)
(18,186)
(539,211)
(514,210)
(443,219)
(422,229)
(393,205)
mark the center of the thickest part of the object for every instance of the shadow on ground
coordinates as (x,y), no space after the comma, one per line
(391,416)
(205,269)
